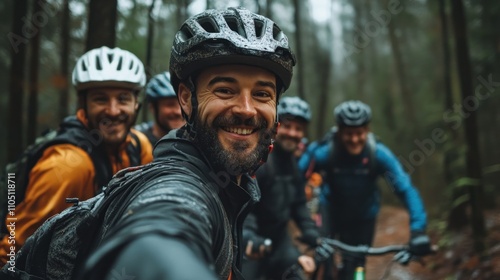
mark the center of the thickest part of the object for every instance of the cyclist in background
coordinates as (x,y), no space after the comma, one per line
(98,141)
(350,159)
(283,199)
(163,103)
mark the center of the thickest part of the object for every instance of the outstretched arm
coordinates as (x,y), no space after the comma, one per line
(400,181)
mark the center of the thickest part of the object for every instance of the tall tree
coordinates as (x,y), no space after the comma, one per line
(33,77)
(65,41)
(149,48)
(473,162)
(18,39)
(298,48)
(358,6)
(457,218)
(269,11)
(102,24)
(406,93)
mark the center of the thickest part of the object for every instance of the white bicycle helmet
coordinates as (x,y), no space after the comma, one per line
(105,67)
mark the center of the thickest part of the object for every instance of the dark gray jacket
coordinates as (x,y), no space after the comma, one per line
(180,226)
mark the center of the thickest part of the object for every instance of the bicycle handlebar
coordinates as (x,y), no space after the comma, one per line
(366,250)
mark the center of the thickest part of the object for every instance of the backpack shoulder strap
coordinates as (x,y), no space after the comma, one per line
(372,144)
(134,151)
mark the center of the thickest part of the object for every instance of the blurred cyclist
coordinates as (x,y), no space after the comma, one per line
(283,199)
(350,159)
(165,107)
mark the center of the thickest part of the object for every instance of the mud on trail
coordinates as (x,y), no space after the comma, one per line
(455,260)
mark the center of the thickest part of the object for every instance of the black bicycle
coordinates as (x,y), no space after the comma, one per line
(402,256)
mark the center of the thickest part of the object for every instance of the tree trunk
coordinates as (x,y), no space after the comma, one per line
(360,61)
(19,37)
(65,41)
(325,66)
(457,218)
(269,11)
(406,94)
(298,48)
(102,24)
(473,162)
(149,51)
(181,14)
(33,78)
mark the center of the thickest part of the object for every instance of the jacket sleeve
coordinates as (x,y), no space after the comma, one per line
(168,233)
(400,181)
(63,171)
(152,257)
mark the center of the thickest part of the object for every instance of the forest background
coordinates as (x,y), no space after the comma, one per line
(430,70)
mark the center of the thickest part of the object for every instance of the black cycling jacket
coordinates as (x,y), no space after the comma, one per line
(181,226)
(283,199)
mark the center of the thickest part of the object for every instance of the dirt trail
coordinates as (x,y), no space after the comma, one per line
(393,228)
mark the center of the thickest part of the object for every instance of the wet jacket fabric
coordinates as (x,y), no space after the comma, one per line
(181,226)
(352,191)
(65,171)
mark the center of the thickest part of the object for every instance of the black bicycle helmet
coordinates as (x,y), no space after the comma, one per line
(352,113)
(295,107)
(159,87)
(231,36)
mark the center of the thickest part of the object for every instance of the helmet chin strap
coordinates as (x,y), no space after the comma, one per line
(270,149)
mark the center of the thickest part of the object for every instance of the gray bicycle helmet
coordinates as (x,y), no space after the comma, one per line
(295,107)
(105,67)
(159,87)
(231,36)
(352,113)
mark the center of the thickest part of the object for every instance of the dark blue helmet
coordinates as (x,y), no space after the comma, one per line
(295,107)
(159,87)
(352,113)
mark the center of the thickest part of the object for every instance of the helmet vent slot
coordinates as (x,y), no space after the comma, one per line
(259,28)
(110,57)
(209,25)
(234,25)
(277,33)
(185,33)
(131,65)
(98,65)
(84,66)
(119,66)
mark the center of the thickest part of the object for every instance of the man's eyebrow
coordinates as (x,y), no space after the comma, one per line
(267,84)
(221,79)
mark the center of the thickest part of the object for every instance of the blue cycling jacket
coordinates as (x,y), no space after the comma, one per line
(352,189)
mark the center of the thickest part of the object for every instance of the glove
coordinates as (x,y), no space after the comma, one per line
(420,244)
(309,237)
(323,252)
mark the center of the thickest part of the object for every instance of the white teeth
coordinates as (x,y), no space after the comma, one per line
(241,131)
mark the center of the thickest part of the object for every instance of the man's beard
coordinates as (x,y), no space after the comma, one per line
(235,161)
(102,124)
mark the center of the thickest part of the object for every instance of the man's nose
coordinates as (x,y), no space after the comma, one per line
(113,107)
(244,106)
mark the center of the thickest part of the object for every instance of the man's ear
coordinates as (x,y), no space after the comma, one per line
(185,99)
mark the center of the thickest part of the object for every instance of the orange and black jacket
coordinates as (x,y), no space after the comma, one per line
(76,169)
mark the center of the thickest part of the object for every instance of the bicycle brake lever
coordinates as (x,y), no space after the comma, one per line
(403,257)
